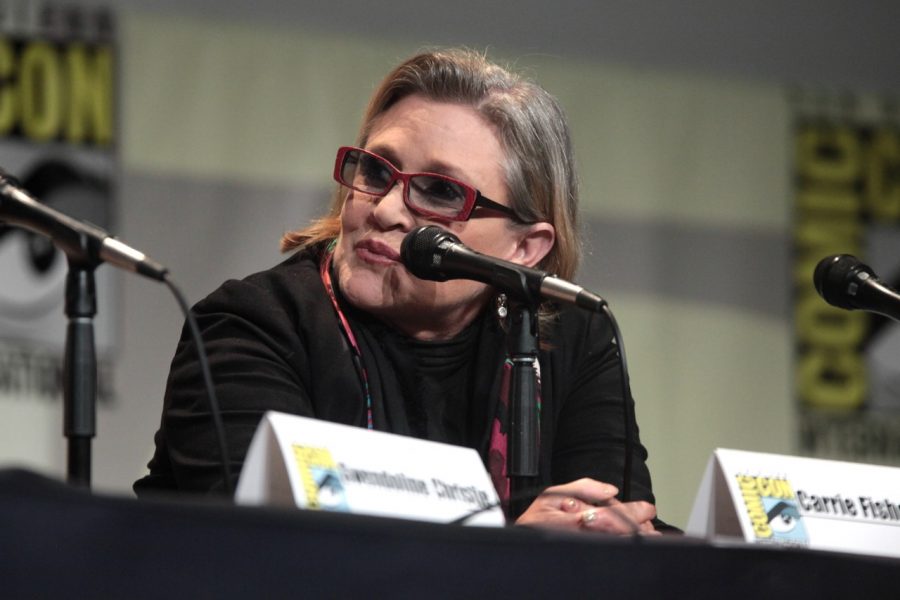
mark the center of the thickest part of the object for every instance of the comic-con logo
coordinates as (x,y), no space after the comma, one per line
(321,479)
(772,507)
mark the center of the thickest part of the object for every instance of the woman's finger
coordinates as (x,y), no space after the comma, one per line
(571,505)
(619,518)
(588,491)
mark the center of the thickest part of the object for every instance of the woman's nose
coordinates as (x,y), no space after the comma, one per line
(391,211)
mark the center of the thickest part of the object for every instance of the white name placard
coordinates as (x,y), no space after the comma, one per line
(319,465)
(820,504)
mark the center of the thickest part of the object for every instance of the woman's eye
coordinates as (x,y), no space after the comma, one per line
(439,190)
(374,171)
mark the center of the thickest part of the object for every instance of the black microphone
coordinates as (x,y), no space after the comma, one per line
(436,254)
(80,241)
(843,281)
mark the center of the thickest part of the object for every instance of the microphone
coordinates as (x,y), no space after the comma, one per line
(81,241)
(843,281)
(436,254)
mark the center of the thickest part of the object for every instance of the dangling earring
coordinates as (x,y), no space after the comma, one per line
(502,311)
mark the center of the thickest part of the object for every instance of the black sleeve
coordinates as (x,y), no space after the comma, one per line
(274,344)
(590,425)
(257,362)
(590,431)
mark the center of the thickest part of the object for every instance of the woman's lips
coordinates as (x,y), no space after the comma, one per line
(376,252)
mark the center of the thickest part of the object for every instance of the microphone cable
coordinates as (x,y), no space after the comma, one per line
(212,399)
(628,417)
(425,251)
(92,245)
(627,406)
(216,414)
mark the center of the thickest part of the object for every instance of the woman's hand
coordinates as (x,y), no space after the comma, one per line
(589,505)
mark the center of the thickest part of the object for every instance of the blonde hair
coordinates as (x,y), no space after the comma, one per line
(531,126)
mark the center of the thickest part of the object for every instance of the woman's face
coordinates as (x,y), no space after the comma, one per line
(420,135)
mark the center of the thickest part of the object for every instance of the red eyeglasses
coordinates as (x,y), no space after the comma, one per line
(426,194)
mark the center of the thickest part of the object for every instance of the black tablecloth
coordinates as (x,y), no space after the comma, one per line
(56,541)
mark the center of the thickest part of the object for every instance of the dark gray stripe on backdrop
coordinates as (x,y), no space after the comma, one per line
(233,228)
(746,269)
(208,230)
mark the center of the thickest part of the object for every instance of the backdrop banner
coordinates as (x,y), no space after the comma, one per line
(57,137)
(846,201)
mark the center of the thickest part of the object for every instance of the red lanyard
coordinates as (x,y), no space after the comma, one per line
(325,274)
(498,443)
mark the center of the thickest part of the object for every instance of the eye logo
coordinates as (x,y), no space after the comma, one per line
(331,490)
(772,507)
(31,268)
(783,518)
(321,479)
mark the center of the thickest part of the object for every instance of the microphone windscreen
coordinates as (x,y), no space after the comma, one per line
(420,251)
(833,276)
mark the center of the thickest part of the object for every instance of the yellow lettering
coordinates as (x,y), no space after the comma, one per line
(829,155)
(823,231)
(820,236)
(784,489)
(838,201)
(90,110)
(7,90)
(40,84)
(882,172)
(774,488)
(758,517)
(832,379)
(821,324)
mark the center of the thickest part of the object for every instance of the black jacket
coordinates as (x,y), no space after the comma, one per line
(274,343)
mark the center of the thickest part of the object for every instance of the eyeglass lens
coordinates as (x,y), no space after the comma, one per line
(433,193)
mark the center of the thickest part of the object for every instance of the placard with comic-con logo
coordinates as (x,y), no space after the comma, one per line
(316,465)
(804,502)
(846,201)
(57,137)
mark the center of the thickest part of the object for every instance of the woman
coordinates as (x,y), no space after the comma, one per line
(341,331)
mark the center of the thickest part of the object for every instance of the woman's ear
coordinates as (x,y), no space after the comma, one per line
(534,244)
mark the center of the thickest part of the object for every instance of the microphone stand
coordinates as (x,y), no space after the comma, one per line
(80,366)
(524,423)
